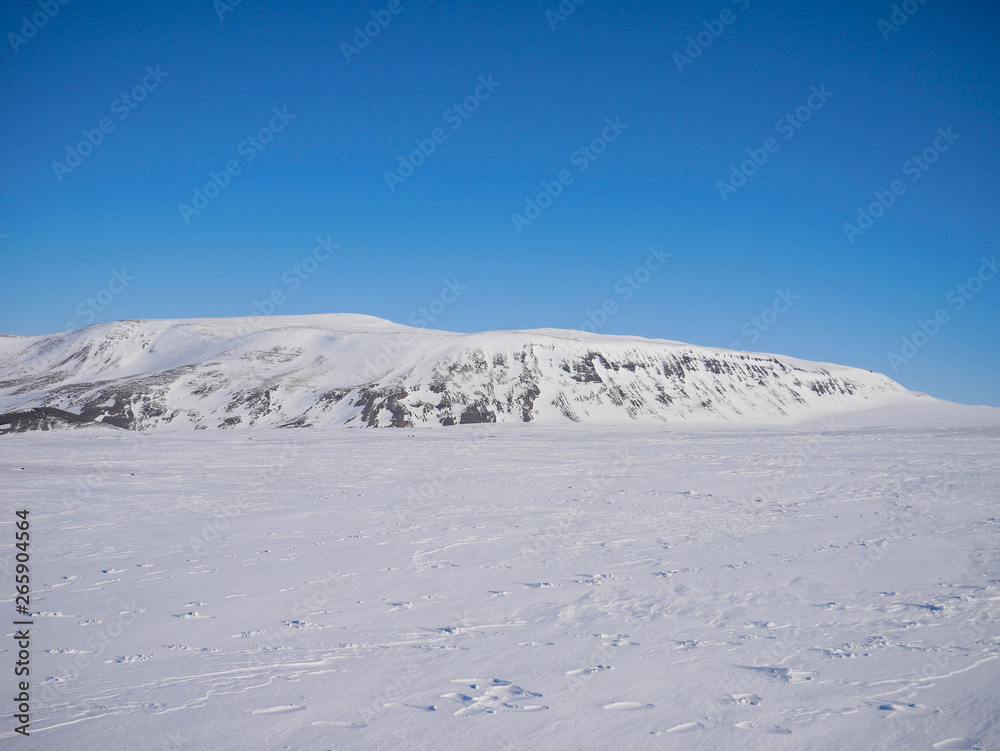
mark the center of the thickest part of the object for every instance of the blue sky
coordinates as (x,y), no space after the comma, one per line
(753,255)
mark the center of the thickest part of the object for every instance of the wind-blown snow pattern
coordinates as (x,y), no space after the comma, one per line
(565,588)
(339,369)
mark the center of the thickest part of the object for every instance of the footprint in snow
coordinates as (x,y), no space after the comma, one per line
(302,624)
(53,680)
(428,708)
(902,710)
(751,699)
(953,744)
(689,644)
(687,727)
(280,709)
(627,706)
(785,675)
(588,671)
(618,640)
(491,696)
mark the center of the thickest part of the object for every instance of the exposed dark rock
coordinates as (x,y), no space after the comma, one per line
(476,413)
(583,370)
(43,418)
(372,402)
(527,401)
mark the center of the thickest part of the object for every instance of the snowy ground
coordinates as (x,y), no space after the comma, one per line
(509,587)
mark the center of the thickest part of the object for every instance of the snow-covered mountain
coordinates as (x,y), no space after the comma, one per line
(323,370)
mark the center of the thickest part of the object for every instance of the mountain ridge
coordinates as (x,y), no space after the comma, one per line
(355,370)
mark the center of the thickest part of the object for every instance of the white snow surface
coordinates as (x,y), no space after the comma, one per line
(339,369)
(509,587)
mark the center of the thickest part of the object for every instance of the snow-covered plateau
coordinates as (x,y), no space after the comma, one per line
(341,369)
(508,587)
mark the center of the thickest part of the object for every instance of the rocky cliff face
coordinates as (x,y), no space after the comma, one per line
(308,371)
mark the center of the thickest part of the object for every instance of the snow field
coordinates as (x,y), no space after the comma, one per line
(511,587)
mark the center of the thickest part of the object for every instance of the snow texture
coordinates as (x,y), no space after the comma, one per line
(507,587)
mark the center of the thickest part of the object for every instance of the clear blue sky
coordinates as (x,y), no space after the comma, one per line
(66,229)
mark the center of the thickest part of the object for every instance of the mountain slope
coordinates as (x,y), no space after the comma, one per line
(300,371)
